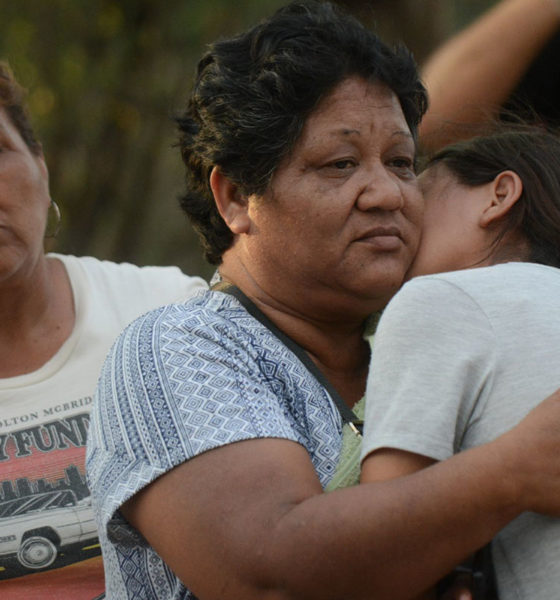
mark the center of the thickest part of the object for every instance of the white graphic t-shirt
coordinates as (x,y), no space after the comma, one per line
(48,541)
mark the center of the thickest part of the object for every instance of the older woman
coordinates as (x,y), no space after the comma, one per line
(60,315)
(219,422)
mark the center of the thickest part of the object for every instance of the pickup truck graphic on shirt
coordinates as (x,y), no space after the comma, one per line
(35,528)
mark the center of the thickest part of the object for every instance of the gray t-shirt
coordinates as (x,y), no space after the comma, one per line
(458,359)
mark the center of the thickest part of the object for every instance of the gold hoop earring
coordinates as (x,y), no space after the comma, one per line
(53,223)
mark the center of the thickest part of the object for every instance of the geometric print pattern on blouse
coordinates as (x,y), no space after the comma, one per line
(182,380)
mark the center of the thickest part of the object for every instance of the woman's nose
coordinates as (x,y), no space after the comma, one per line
(381,191)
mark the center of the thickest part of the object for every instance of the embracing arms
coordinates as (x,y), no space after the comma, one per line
(250,520)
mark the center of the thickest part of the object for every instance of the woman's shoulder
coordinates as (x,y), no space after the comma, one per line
(210,332)
(208,323)
(474,283)
(434,302)
(146,287)
(483,285)
(432,290)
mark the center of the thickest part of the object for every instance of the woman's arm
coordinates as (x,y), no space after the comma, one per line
(389,463)
(249,520)
(473,74)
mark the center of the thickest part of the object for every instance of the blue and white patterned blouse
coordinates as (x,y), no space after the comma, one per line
(179,381)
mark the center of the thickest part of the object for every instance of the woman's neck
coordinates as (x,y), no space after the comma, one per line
(336,346)
(36,316)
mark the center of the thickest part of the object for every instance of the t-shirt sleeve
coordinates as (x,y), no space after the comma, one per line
(171,389)
(432,361)
(140,288)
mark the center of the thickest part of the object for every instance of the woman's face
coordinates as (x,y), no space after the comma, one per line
(24,201)
(451,236)
(340,221)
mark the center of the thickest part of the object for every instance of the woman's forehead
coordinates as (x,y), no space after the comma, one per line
(357,109)
(355,97)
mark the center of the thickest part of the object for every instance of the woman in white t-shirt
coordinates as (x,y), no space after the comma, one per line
(60,315)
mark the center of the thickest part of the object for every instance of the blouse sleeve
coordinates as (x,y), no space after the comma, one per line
(176,384)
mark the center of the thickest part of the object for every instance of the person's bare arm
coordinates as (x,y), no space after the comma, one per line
(390,463)
(471,75)
(249,520)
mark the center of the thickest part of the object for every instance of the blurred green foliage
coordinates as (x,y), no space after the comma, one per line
(104,79)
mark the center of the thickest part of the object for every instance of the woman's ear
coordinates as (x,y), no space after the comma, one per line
(506,189)
(232,205)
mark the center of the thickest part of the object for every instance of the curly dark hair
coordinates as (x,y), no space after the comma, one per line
(253,93)
(531,151)
(12,100)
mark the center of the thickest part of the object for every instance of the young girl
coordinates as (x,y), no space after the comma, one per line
(461,355)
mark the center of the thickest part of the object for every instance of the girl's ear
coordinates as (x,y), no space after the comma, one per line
(506,189)
(232,205)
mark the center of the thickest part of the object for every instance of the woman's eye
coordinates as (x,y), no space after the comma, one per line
(341,165)
(404,164)
(339,168)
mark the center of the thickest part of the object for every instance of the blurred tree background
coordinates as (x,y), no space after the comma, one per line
(104,78)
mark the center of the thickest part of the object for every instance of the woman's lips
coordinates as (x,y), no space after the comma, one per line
(383,238)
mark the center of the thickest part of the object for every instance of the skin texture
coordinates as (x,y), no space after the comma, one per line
(36,306)
(249,520)
(470,76)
